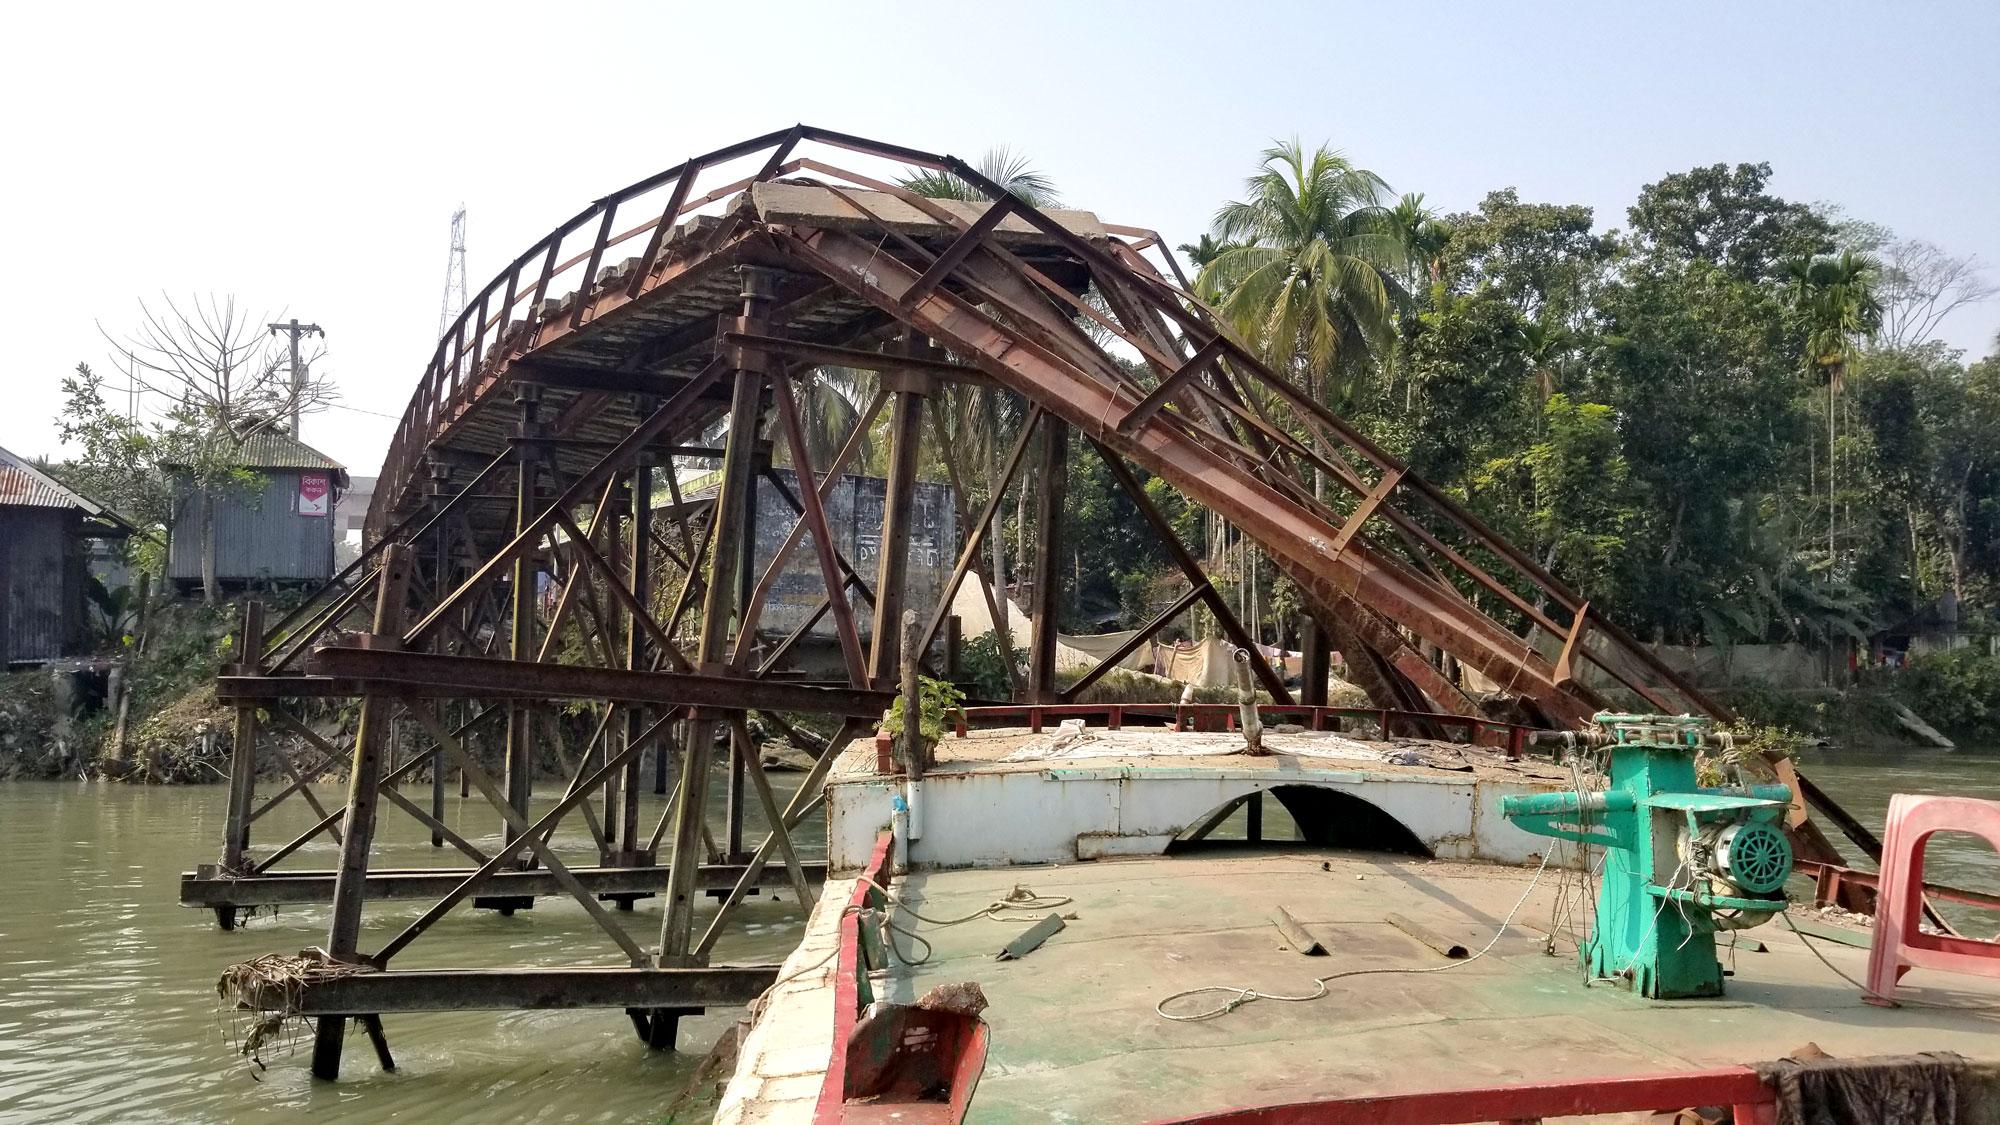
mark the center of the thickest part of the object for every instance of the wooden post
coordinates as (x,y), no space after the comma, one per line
(1051,484)
(243,756)
(363,786)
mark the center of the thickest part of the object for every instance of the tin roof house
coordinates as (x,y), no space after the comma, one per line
(46,531)
(279,532)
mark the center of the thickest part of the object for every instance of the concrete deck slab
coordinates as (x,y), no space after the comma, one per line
(1075,1036)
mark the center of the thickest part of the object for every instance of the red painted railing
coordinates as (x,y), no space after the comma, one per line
(1735,1086)
(855,957)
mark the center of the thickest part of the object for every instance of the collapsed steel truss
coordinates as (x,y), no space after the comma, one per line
(528,454)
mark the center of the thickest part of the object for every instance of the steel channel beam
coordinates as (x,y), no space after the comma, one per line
(472,990)
(430,674)
(207,889)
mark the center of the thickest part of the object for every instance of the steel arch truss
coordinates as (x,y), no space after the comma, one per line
(521,555)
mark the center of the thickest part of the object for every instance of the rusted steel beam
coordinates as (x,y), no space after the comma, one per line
(668,216)
(1053,478)
(468,990)
(829,355)
(1296,543)
(1183,558)
(753,764)
(565,599)
(967,241)
(518,761)
(547,373)
(531,835)
(433,675)
(906,427)
(637,656)
(527,833)
(973,536)
(670,412)
(364,780)
(976,538)
(640,617)
(719,603)
(1171,386)
(813,519)
(1146,633)
(746,634)
(1366,508)
(808,797)
(243,751)
(208,889)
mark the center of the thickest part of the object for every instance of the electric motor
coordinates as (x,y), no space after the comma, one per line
(1754,855)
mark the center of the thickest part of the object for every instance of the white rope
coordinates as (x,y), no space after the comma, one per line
(1867,991)
(1242,996)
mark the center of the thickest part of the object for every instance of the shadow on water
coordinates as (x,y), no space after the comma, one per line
(107,1003)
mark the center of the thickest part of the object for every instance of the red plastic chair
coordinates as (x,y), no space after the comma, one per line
(1899,945)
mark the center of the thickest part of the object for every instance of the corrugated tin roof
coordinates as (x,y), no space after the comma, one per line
(276,449)
(22,484)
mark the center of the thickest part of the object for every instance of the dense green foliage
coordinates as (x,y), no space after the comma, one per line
(1691,420)
(1958,691)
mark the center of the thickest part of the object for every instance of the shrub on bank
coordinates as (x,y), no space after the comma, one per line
(1958,691)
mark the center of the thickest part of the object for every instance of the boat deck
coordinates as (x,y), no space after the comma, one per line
(1075,1036)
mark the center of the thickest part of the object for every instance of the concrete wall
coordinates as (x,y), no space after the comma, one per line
(854,513)
(992,818)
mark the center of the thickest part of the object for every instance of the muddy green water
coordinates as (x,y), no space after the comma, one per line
(107,1011)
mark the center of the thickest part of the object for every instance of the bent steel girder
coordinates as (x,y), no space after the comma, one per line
(576,371)
(1217,424)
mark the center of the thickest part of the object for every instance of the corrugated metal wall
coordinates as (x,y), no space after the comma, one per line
(257,536)
(41,566)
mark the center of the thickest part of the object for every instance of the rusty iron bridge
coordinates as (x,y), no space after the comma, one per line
(521,559)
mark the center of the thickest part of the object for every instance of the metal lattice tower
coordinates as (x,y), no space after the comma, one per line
(454,275)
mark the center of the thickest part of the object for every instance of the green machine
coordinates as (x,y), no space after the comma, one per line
(1682,862)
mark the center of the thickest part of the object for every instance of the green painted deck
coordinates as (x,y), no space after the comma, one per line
(1075,1037)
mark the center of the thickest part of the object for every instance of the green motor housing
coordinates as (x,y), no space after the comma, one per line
(1682,862)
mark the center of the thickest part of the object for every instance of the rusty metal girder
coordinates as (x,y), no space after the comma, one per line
(358,670)
(1300,545)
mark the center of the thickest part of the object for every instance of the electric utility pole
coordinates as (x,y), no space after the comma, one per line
(295,330)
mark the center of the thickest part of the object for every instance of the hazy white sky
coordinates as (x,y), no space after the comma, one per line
(307,158)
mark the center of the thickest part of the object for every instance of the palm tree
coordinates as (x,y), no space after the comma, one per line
(1201,253)
(1010,169)
(1308,277)
(1423,236)
(1832,299)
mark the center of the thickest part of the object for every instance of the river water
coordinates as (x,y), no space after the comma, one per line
(107,1010)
